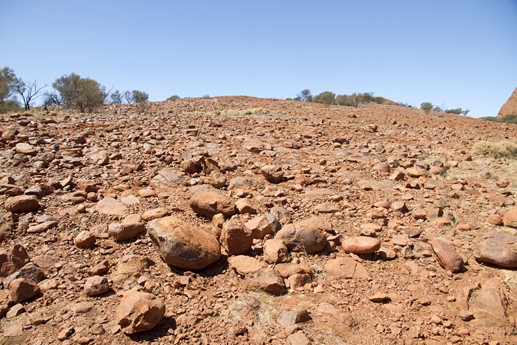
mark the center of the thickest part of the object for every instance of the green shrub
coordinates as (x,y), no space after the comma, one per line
(9,106)
(500,149)
(83,94)
(426,107)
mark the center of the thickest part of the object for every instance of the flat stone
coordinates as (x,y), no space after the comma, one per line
(111,207)
(361,245)
(244,265)
(346,267)
(307,236)
(268,280)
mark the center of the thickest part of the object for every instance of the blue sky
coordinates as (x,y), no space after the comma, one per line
(460,53)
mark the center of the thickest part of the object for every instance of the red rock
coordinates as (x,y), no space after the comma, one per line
(510,218)
(21,204)
(181,245)
(275,251)
(263,225)
(244,265)
(96,285)
(12,260)
(306,236)
(495,219)
(499,249)
(235,238)
(210,203)
(361,245)
(111,207)
(85,239)
(346,267)
(139,311)
(268,280)
(22,289)
(446,255)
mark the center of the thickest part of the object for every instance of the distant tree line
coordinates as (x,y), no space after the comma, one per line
(70,91)
(328,97)
(355,99)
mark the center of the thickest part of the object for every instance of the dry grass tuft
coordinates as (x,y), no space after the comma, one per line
(500,149)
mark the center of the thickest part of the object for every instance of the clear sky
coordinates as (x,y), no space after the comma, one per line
(453,53)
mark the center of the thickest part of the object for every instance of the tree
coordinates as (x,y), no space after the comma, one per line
(173,98)
(326,97)
(305,95)
(140,96)
(83,94)
(128,96)
(7,81)
(27,91)
(116,97)
(51,99)
(426,107)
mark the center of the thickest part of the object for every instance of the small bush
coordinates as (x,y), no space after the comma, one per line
(426,107)
(500,149)
(507,119)
(9,106)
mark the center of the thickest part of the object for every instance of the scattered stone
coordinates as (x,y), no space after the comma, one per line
(244,265)
(499,249)
(446,255)
(307,236)
(275,251)
(139,311)
(495,219)
(346,267)
(361,245)
(181,245)
(111,207)
(246,206)
(85,239)
(96,285)
(130,228)
(235,238)
(272,173)
(263,225)
(289,317)
(43,227)
(26,149)
(22,289)
(13,259)
(268,280)
(298,338)
(21,204)
(210,203)
(379,297)
(155,213)
(510,218)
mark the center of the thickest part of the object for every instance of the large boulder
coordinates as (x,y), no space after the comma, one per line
(210,203)
(139,311)
(182,245)
(307,236)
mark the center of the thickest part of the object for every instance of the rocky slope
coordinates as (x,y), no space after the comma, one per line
(510,107)
(236,220)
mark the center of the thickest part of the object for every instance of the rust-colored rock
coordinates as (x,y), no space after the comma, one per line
(139,311)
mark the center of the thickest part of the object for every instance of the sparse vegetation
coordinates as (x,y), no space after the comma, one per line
(116,97)
(500,149)
(80,93)
(426,107)
(233,112)
(326,97)
(507,119)
(173,98)
(140,96)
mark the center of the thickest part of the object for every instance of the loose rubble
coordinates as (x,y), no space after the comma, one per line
(236,220)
